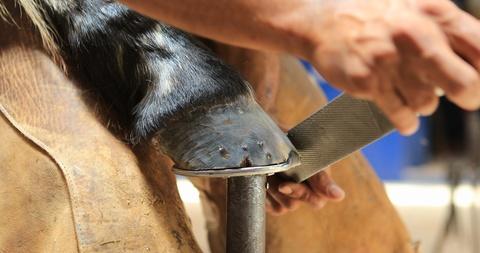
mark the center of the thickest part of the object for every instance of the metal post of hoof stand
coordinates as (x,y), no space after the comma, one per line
(245,202)
(246,214)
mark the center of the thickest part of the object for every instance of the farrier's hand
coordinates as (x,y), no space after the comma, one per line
(396,52)
(284,196)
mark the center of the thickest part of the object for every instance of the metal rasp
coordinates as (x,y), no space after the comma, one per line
(342,127)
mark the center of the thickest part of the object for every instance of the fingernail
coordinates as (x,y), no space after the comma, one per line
(439,92)
(335,191)
(285,190)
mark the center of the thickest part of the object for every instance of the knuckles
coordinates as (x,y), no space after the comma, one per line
(455,90)
(424,103)
(363,80)
(436,7)
(362,83)
(386,56)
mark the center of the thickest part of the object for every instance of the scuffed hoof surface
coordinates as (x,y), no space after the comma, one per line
(230,136)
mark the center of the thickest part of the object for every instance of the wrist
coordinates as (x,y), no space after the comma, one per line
(288,28)
(303,30)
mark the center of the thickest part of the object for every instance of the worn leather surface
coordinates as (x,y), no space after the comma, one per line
(67,184)
(364,222)
(34,201)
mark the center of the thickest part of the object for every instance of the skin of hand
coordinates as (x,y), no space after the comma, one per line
(396,53)
(284,196)
(393,52)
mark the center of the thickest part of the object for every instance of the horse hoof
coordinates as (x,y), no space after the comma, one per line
(227,140)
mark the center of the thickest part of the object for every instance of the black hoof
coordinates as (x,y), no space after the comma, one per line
(231,136)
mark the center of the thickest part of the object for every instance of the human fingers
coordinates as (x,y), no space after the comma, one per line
(323,185)
(303,193)
(386,63)
(402,117)
(462,29)
(370,52)
(281,202)
(419,95)
(393,104)
(273,207)
(436,60)
(412,80)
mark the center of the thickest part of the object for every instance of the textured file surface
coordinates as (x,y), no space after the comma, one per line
(340,128)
